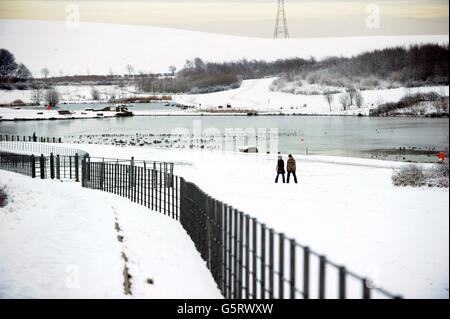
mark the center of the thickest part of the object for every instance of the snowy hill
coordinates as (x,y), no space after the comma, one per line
(96,48)
(256,95)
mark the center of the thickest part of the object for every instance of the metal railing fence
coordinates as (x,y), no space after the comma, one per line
(247,259)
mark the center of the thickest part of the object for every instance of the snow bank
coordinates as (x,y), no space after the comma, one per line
(12,114)
(58,240)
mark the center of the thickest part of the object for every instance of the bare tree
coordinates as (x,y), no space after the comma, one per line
(172,69)
(51,96)
(130,69)
(441,105)
(351,91)
(95,93)
(329,98)
(45,72)
(359,100)
(345,101)
(36,95)
(445,106)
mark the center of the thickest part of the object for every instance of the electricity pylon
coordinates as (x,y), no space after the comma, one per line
(281,29)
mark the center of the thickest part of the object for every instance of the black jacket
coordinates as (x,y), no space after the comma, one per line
(280,167)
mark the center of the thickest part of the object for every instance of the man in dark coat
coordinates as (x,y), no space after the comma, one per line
(34,137)
(280,169)
(291,168)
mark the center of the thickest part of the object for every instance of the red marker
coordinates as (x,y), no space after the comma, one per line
(48,107)
(303,139)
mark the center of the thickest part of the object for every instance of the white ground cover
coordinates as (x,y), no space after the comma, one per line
(10,113)
(73,94)
(344,208)
(256,94)
(58,240)
(252,95)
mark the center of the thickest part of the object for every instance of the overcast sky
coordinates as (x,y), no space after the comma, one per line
(306,18)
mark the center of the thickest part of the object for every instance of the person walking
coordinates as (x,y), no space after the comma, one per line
(280,169)
(291,168)
(34,137)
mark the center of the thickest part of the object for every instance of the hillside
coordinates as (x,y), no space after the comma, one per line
(257,95)
(97,48)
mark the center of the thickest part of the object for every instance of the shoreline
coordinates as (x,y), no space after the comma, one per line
(206,114)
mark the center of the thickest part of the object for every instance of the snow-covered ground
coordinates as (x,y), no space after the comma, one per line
(252,95)
(10,113)
(58,240)
(345,208)
(256,94)
(70,94)
(94,47)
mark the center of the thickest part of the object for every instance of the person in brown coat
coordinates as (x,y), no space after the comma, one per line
(291,168)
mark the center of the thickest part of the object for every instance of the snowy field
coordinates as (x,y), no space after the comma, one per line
(93,47)
(72,94)
(58,240)
(252,94)
(345,208)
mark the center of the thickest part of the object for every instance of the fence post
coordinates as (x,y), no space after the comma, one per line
(366,289)
(88,168)
(83,170)
(306,272)
(292,281)
(281,266)
(58,167)
(247,257)
(240,266)
(230,252)
(131,172)
(102,175)
(76,168)
(42,166)
(52,166)
(263,261)
(322,277)
(33,166)
(254,259)
(271,270)
(342,273)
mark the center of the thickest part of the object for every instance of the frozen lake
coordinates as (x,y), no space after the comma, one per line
(422,138)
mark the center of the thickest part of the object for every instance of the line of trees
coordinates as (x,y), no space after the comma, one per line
(398,66)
